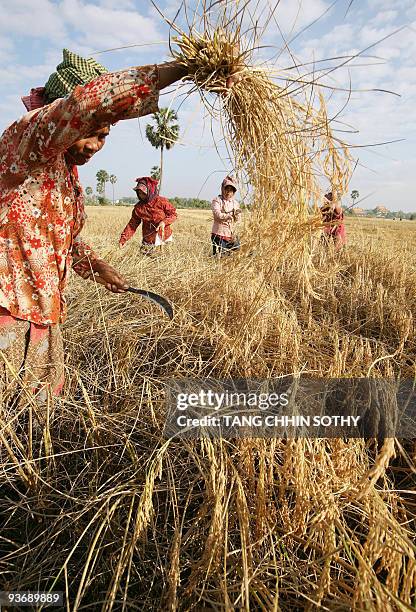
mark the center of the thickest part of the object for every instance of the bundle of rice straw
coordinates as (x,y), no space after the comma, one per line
(280,146)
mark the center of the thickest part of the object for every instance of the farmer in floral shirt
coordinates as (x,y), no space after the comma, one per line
(42,207)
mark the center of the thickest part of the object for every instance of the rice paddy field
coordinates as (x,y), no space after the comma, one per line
(197,222)
(97,504)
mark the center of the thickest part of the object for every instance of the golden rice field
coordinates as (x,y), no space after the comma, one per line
(360,230)
(98,504)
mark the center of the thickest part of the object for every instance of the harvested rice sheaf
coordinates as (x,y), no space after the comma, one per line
(279,145)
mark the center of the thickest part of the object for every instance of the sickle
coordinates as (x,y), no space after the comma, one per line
(155,298)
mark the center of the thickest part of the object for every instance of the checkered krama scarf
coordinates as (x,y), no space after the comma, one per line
(72,71)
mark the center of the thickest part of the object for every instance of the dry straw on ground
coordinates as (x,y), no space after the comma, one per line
(239,524)
(134,522)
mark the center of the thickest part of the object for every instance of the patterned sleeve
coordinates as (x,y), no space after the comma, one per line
(82,256)
(130,228)
(105,100)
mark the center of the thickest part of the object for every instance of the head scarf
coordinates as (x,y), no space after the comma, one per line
(229,181)
(35,99)
(151,185)
(72,71)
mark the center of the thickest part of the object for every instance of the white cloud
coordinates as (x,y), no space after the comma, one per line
(17,74)
(369,35)
(33,19)
(292,15)
(101,27)
(287,16)
(330,44)
(10,107)
(7,50)
(378,4)
(384,17)
(119,4)
(94,26)
(385,5)
(378,117)
(170,9)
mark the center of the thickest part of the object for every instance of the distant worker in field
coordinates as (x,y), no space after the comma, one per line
(154,212)
(42,205)
(226,212)
(333,215)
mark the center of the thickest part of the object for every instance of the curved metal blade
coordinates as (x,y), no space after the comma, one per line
(155,298)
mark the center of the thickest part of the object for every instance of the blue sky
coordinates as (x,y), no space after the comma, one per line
(32,35)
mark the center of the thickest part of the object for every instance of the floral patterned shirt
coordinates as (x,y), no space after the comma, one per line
(41,199)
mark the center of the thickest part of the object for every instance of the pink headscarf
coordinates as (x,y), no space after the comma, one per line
(35,99)
(151,186)
(229,181)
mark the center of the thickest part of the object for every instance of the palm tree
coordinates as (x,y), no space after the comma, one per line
(102,178)
(163,134)
(354,195)
(155,173)
(88,193)
(113,180)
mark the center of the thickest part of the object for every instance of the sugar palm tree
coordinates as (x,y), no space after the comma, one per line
(88,193)
(155,173)
(113,180)
(102,179)
(354,195)
(163,134)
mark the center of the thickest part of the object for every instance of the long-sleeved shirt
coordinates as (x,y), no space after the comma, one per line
(151,214)
(223,212)
(41,199)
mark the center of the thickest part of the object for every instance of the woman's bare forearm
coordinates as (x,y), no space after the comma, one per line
(169,73)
